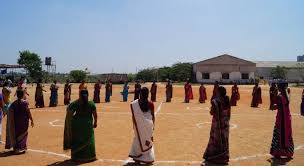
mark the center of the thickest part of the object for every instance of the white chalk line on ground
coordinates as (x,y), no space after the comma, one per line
(232,125)
(55,121)
(300,147)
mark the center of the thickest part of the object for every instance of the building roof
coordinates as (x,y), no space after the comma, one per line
(225,59)
(288,64)
(6,66)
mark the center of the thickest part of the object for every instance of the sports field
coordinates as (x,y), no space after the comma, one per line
(181,132)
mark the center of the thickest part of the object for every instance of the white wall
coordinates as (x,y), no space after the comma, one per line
(235,76)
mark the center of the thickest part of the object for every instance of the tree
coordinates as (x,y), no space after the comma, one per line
(131,77)
(164,73)
(181,71)
(278,72)
(300,69)
(32,63)
(149,74)
(78,75)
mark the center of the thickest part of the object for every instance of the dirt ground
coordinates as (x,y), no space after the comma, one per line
(181,132)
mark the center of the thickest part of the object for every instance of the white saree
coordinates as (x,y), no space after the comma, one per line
(142,148)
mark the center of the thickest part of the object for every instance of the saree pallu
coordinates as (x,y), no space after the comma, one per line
(218,146)
(17,126)
(188,93)
(142,147)
(282,141)
(79,133)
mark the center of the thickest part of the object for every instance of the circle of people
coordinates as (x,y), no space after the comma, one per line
(81,118)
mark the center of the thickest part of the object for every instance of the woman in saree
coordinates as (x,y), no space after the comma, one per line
(302,104)
(1,114)
(273,93)
(18,118)
(188,91)
(67,92)
(256,95)
(125,92)
(54,94)
(217,150)
(97,88)
(215,90)
(235,95)
(202,94)
(153,91)
(169,91)
(282,141)
(81,118)
(39,95)
(142,150)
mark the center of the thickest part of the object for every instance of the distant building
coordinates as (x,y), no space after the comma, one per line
(224,68)
(300,58)
(293,74)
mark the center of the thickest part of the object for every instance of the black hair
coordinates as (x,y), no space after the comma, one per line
(20,93)
(283,89)
(143,101)
(222,92)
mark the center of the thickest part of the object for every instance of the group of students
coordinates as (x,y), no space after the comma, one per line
(81,119)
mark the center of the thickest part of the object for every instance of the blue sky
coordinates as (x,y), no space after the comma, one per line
(122,35)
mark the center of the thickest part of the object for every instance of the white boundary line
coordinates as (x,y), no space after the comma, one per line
(232,125)
(300,147)
(54,121)
(159,108)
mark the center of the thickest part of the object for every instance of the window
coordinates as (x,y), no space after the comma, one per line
(245,76)
(225,76)
(206,76)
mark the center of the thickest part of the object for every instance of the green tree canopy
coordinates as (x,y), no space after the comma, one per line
(78,75)
(278,72)
(32,63)
(181,71)
(149,74)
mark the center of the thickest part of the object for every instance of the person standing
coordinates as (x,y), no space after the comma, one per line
(97,88)
(142,150)
(169,91)
(39,94)
(67,92)
(54,94)
(256,95)
(273,93)
(108,91)
(217,150)
(282,141)
(82,86)
(302,104)
(188,91)
(81,118)
(215,90)
(125,92)
(137,90)
(18,118)
(235,95)
(6,93)
(153,91)
(202,94)
(1,114)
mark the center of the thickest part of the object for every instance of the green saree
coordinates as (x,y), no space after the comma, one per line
(79,133)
